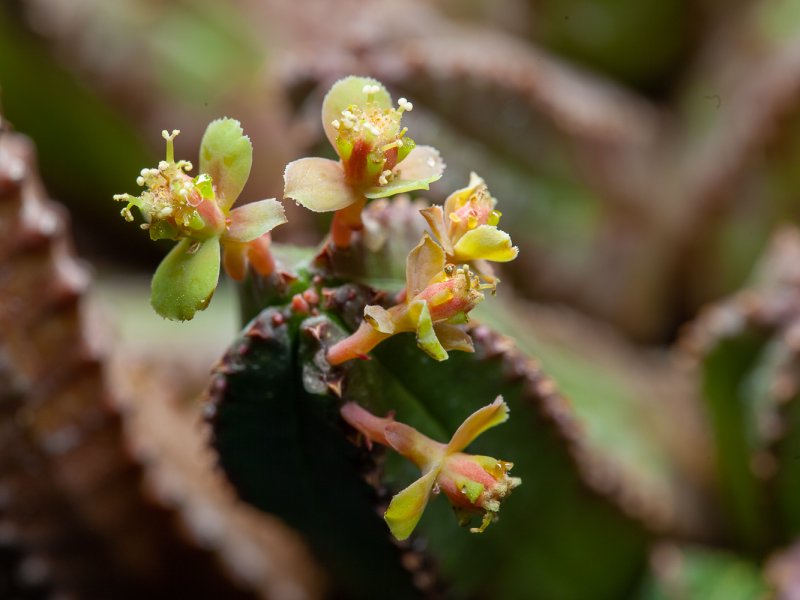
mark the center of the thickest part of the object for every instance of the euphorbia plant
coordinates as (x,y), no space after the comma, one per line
(286,396)
(377,160)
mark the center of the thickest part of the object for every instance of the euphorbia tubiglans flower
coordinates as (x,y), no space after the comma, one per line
(197,212)
(438,298)
(467,227)
(473,484)
(376,157)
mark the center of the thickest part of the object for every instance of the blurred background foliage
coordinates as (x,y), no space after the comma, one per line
(643,154)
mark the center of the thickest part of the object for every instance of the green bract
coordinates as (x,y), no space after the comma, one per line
(186,279)
(226,154)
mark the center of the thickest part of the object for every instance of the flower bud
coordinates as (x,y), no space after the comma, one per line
(476,484)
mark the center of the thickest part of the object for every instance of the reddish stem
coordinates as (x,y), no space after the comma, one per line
(345,222)
(260,255)
(357,345)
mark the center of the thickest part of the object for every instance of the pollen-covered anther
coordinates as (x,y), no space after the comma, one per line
(404,105)
(385,177)
(170,136)
(336,124)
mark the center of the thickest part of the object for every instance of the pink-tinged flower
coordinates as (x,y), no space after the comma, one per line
(197,212)
(376,157)
(473,484)
(467,227)
(438,299)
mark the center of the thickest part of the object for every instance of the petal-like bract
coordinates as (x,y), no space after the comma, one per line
(318,184)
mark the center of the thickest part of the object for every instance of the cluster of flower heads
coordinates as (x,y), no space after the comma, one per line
(196,212)
(473,484)
(443,280)
(446,275)
(376,157)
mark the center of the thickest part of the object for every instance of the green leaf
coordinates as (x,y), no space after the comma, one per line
(227,155)
(691,572)
(186,279)
(750,367)
(283,450)
(787,478)
(548,525)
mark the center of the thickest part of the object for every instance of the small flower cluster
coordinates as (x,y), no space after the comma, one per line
(446,275)
(175,205)
(473,484)
(467,228)
(196,212)
(376,157)
(439,295)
